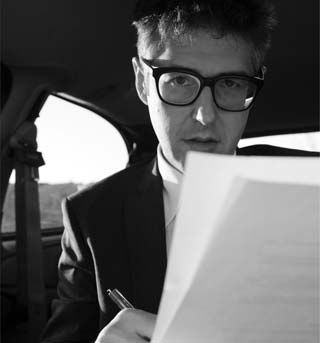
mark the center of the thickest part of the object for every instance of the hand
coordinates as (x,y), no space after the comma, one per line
(128,326)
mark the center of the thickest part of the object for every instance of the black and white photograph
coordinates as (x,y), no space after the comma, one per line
(160,171)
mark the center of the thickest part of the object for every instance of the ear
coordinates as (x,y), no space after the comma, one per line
(140,80)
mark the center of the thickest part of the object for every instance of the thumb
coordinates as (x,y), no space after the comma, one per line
(145,323)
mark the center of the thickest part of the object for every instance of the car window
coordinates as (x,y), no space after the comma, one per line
(8,219)
(302,141)
(79,148)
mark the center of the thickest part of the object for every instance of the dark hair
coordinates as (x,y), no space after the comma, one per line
(159,20)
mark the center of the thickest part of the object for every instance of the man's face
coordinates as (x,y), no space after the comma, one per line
(200,126)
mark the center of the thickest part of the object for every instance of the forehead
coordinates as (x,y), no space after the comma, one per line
(202,52)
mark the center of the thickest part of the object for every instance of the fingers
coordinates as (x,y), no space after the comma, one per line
(115,335)
(144,322)
(129,326)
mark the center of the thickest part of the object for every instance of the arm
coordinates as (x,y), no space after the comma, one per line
(76,313)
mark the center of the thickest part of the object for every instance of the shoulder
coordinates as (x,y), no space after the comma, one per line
(102,205)
(114,187)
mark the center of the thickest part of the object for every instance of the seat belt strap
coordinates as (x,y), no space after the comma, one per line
(30,273)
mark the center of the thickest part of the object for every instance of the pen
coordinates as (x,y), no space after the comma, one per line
(122,302)
(119,299)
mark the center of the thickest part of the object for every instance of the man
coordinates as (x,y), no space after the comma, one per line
(199,69)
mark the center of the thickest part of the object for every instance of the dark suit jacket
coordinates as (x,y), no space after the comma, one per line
(115,238)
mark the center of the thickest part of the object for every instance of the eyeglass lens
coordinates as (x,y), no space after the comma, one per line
(230,93)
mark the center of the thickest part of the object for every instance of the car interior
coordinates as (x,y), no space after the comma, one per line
(81,52)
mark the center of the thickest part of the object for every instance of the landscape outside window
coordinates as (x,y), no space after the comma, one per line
(79,148)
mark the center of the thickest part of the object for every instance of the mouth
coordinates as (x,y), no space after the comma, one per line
(205,144)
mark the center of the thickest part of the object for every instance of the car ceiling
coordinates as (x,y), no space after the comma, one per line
(83,50)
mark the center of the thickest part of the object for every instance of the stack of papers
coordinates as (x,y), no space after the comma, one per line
(244,261)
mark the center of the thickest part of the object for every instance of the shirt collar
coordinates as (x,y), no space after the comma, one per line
(166,169)
(171,178)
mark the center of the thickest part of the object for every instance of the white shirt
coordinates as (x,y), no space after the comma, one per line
(171,178)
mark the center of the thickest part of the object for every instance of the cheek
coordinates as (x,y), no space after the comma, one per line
(242,122)
(160,117)
(157,112)
(167,120)
(235,125)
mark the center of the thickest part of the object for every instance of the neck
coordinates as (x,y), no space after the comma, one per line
(176,167)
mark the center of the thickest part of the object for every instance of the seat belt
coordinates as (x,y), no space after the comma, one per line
(30,272)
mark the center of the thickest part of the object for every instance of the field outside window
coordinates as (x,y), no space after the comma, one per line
(79,148)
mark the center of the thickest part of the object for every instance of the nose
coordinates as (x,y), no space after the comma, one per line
(205,110)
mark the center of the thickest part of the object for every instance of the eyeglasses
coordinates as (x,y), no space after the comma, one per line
(182,87)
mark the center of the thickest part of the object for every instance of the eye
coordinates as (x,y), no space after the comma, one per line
(229,83)
(179,80)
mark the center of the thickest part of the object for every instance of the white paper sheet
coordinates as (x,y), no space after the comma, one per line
(208,225)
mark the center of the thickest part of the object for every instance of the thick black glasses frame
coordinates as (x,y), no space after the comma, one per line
(205,82)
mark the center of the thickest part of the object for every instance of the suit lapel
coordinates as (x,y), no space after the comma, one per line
(145,228)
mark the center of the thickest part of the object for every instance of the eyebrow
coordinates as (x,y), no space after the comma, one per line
(159,64)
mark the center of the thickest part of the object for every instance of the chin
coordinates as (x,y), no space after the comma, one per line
(227,150)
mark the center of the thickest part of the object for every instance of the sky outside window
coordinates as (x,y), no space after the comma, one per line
(77,145)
